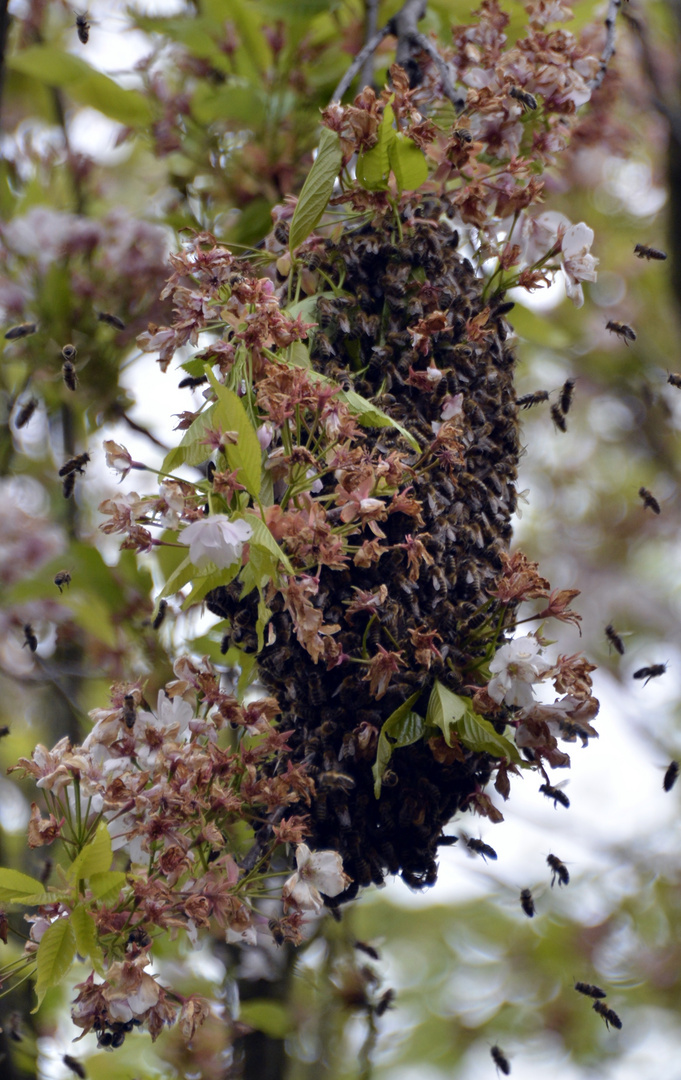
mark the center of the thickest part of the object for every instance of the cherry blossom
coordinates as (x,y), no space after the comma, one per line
(578,265)
(515,667)
(216,539)
(318,872)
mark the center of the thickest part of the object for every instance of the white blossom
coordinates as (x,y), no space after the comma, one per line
(216,540)
(318,872)
(515,667)
(578,265)
(117,457)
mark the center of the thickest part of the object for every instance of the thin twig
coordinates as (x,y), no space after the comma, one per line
(457,98)
(366,76)
(122,415)
(609,48)
(368,50)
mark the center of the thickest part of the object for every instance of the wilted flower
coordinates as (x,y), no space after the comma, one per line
(217,540)
(118,458)
(515,667)
(318,872)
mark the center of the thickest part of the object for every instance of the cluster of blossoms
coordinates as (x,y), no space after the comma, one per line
(171,787)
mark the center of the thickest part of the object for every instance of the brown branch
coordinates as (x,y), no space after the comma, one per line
(4,33)
(609,48)
(366,76)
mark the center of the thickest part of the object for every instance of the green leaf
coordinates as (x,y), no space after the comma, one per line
(54,67)
(270,1017)
(402,728)
(206,582)
(179,577)
(299,354)
(55,955)
(85,933)
(449,712)
(95,857)
(263,538)
(317,188)
(14,886)
(246,456)
(192,450)
(107,885)
(371,416)
(407,162)
(373,166)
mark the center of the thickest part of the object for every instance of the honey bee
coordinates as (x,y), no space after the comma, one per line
(529,400)
(675,380)
(480,848)
(29,638)
(500,1060)
(652,672)
(609,1015)
(528,101)
(645,252)
(558,418)
(556,794)
(649,500)
(336,781)
(139,936)
(622,330)
(4,730)
(22,330)
(15,1027)
(74,1065)
(83,27)
(614,639)
(160,614)
(69,375)
(589,990)
(527,903)
(110,320)
(281,232)
(274,926)
(559,869)
(26,412)
(385,1002)
(75,464)
(565,400)
(365,947)
(670,776)
(503,308)
(62,580)
(68,485)
(69,352)
(192,382)
(129,712)
(315,690)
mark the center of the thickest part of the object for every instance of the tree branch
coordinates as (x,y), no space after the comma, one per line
(609,47)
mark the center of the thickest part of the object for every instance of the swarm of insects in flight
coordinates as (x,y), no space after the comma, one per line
(670,776)
(614,639)
(649,500)
(500,1060)
(622,330)
(645,252)
(652,672)
(559,869)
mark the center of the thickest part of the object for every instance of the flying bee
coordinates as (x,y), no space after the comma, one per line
(365,947)
(614,639)
(68,485)
(675,380)
(559,869)
(385,1002)
(528,400)
(129,712)
(160,614)
(500,1060)
(528,101)
(4,730)
(62,580)
(565,400)
(29,638)
(26,412)
(69,352)
(645,252)
(75,464)
(480,848)
(69,375)
(589,990)
(670,776)
(558,418)
(652,672)
(556,794)
(609,1015)
(274,926)
(74,1065)
(649,500)
(527,903)
(110,320)
(83,27)
(622,330)
(192,382)
(24,329)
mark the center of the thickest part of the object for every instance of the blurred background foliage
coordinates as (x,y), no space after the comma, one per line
(204,115)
